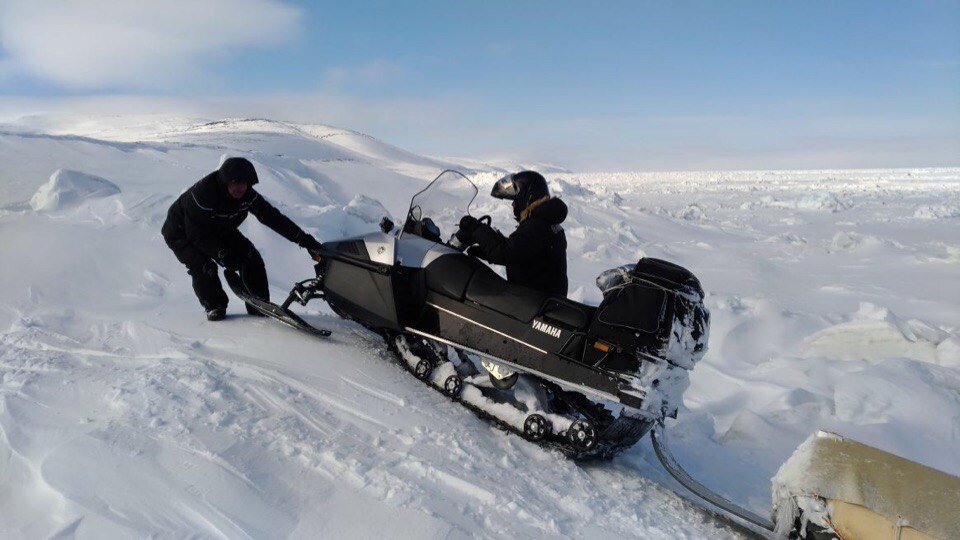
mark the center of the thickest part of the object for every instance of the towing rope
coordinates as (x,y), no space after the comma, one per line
(659,437)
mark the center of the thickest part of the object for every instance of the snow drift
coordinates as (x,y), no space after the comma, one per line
(68,188)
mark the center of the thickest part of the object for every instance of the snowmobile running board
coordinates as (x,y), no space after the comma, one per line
(270,309)
(659,438)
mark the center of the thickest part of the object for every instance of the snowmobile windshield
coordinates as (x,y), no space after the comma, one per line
(435,211)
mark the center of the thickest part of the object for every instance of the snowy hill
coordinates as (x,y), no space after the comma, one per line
(125,413)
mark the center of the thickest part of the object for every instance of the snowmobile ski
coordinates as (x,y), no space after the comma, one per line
(270,309)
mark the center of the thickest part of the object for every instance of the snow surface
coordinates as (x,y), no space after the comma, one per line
(834,302)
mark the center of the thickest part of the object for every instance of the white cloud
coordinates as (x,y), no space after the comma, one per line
(133,43)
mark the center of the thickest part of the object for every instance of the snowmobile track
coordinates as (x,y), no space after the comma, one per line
(615,437)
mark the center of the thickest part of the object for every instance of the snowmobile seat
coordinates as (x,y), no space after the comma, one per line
(449,274)
(490,290)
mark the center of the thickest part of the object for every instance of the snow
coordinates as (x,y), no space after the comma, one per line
(67,188)
(125,413)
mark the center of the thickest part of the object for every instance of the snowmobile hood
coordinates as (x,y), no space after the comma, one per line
(551,210)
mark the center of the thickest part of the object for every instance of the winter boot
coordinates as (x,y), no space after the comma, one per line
(216,314)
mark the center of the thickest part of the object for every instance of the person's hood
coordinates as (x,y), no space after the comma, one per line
(238,169)
(549,209)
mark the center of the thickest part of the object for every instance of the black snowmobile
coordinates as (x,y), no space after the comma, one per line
(588,380)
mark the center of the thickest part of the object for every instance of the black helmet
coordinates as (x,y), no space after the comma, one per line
(238,170)
(522,188)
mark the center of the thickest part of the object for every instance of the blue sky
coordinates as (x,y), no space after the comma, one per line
(613,85)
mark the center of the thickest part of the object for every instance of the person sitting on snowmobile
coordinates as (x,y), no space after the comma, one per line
(536,253)
(201,230)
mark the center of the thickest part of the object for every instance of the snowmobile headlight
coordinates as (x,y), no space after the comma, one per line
(505,188)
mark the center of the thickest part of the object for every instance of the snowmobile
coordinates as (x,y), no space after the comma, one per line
(588,380)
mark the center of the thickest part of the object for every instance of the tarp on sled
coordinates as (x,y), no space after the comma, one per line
(862,492)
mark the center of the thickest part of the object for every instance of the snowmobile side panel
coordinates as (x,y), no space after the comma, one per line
(380,247)
(506,339)
(363,294)
(409,290)
(414,251)
(351,247)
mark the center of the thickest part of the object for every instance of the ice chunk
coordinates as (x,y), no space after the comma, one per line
(948,352)
(691,212)
(876,333)
(937,211)
(569,189)
(367,209)
(849,241)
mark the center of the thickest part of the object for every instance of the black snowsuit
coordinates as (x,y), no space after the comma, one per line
(201,228)
(536,253)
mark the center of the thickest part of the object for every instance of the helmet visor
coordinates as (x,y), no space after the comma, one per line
(505,188)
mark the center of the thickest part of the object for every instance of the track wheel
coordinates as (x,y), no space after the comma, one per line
(535,427)
(422,370)
(452,386)
(582,435)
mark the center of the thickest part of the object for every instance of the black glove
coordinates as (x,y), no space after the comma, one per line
(468,224)
(310,243)
(476,251)
(463,237)
(229,260)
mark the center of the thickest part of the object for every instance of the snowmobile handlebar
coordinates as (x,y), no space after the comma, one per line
(456,240)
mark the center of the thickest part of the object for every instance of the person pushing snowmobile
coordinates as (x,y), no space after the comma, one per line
(535,254)
(201,230)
